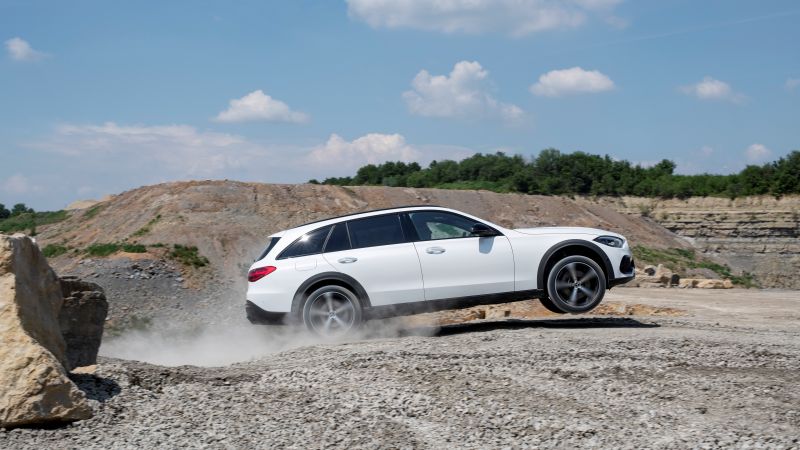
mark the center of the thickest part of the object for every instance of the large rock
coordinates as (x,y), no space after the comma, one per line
(34,387)
(82,317)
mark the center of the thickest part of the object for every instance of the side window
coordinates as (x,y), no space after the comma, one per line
(308,244)
(431,225)
(378,230)
(338,240)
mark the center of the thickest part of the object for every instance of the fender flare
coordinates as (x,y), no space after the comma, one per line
(540,277)
(329,276)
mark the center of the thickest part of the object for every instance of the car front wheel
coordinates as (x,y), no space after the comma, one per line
(332,311)
(575,284)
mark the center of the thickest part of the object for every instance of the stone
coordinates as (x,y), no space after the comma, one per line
(663,274)
(674,280)
(81,319)
(713,284)
(650,270)
(34,386)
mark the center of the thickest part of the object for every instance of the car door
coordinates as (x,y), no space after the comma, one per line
(457,264)
(375,251)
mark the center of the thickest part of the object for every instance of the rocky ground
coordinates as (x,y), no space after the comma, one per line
(724,373)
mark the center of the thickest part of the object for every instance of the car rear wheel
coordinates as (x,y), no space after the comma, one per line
(575,284)
(332,311)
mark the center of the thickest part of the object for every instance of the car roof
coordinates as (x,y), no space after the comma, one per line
(301,229)
(370,212)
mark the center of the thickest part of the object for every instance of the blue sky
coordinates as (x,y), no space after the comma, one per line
(98,97)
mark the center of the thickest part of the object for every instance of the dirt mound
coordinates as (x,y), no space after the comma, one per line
(127,243)
(228,221)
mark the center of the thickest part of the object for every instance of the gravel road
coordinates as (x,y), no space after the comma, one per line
(726,374)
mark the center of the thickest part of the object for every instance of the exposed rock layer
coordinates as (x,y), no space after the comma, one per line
(759,235)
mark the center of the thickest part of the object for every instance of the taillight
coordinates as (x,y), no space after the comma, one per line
(259,273)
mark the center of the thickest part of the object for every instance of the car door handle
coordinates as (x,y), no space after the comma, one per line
(348,260)
(435,250)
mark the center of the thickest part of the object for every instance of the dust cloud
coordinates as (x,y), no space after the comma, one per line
(223,345)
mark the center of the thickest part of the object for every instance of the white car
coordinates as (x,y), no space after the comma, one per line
(333,274)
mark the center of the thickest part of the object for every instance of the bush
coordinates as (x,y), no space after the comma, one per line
(188,256)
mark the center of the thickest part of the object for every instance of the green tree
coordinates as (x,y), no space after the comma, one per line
(4,212)
(20,208)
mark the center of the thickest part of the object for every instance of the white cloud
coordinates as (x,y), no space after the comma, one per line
(115,157)
(513,17)
(713,89)
(464,93)
(179,149)
(258,106)
(20,50)
(757,152)
(373,148)
(571,81)
(18,185)
(792,84)
(706,150)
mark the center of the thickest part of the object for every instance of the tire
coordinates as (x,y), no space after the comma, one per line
(549,305)
(332,311)
(575,284)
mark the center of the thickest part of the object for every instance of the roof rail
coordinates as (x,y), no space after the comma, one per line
(367,211)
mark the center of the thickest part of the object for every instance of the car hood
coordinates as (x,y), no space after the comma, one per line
(567,230)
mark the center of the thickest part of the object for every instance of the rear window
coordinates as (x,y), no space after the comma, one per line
(373,231)
(270,245)
(308,244)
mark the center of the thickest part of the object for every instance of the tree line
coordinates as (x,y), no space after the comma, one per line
(555,173)
(16,210)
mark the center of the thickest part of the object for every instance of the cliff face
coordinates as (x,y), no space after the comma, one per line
(759,235)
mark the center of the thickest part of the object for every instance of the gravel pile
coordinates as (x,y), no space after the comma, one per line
(605,382)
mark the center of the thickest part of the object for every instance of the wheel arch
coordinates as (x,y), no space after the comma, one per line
(328,278)
(573,247)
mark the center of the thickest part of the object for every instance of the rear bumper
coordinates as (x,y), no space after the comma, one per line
(258,316)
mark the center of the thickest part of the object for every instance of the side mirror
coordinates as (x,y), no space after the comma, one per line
(482,230)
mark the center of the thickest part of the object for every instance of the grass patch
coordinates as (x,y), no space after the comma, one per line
(107,249)
(29,221)
(146,229)
(679,260)
(476,186)
(188,256)
(93,211)
(102,249)
(133,248)
(53,250)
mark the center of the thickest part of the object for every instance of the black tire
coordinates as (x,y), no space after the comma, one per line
(576,284)
(332,311)
(550,306)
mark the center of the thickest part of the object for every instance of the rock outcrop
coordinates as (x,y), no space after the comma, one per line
(82,317)
(34,387)
(660,276)
(758,235)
